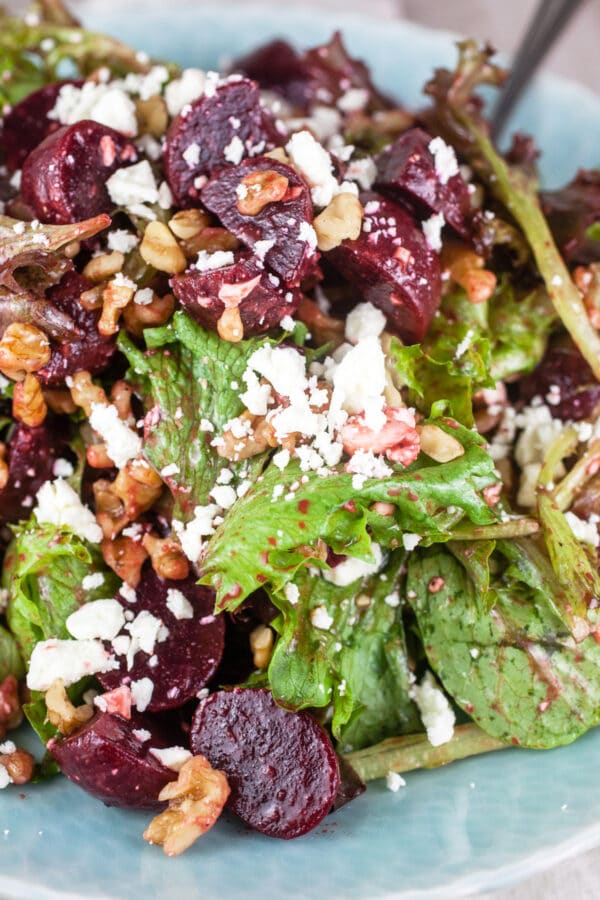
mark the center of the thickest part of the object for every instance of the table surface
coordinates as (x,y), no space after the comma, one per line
(575,56)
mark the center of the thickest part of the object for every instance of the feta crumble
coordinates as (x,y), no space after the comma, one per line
(58,504)
(436,713)
(352,569)
(69,660)
(101,619)
(133,185)
(122,442)
(394,781)
(178,604)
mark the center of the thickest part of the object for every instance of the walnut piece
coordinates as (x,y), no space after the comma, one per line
(61,712)
(29,405)
(23,348)
(160,249)
(19,764)
(259,188)
(340,221)
(196,801)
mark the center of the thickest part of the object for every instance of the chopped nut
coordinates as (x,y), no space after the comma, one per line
(72,250)
(158,312)
(3,467)
(260,188)
(97,457)
(120,396)
(139,486)
(84,392)
(196,801)
(261,436)
(125,557)
(187,223)
(160,249)
(103,267)
(20,765)
(324,329)
(339,221)
(11,714)
(261,644)
(167,557)
(229,326)
(28,403)
(61,712)
(23,348)
(59,400)
(438,444)
(110,511)
(210,239)
(466,268)
(115,298)
(92,299)
(152,116)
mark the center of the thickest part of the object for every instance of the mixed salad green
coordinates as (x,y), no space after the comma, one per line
(356,420)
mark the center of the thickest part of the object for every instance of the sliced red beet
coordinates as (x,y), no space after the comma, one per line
(188,658)
(259,295)
(351,785)
(92,351)
(27,124)
(393,267)
(215,131)
(406,171)
(106,759)
(31,454)
(64,178)
(280,765)
(565,381)
(285,222)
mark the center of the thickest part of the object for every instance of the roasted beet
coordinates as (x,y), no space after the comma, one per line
(187,659)
(92,351)
(281,766)
(284,223)
(406,171)
(565,381)
(215,131)
(259,295)
(64,178)
(570,212)
(351,784)
(278,67)
(393,267)
(106,759)
(32,453)
(27,124)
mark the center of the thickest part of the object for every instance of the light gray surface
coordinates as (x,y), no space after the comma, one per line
(577,57)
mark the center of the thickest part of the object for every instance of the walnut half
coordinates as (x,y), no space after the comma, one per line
(196,801)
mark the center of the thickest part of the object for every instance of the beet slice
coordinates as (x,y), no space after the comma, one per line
(64,178)
(393,267)
(351,785)
(206,136)
(406,172)
(107,760)
(191,653)
(91,351)
(27,123)
(564,376)
(262,308)
(31,453)
(281,766)
(284,222)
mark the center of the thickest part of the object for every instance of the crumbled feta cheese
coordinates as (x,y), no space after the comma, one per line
(93,581)
(392,599)
(149,84)
(410,540)
(432,229)
(171,757)
(281,459)
(121,240)
(436,713)
(444,157)
(69,660)
(394,781)
(128,593)
(314,163)
(320,618)
(234,151)
(102,619)
(58,504)
(206,262)
(5,778)
(184,90)
(167,471)
(8,747)
(363,171)
(291,593)
(165,196)
(141,735)
(191,535)
(145,631)
(224,495)
(584,531)
(308,234)
(365,320)
(261,248)
(141,693)
(368,465)
(179,605)
(133,185)
(352,392)
(192,155)
(122,442)
(108,104)
(351,569)
(62,468)
(143,297)
(353,100)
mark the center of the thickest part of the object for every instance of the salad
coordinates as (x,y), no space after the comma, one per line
(300,461)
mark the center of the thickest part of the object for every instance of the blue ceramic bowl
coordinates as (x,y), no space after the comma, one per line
(478,825)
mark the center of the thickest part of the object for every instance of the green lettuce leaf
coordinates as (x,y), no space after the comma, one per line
(515,668)
(358,664)
(274,529)
(10,658)
(43,573)
(186,376)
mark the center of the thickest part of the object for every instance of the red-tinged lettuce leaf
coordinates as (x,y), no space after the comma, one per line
(267,536)
(514,669)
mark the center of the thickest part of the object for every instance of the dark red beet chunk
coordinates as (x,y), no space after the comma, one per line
(191,653)
(281,766)
(32,453)
(27,124)
(263,302)
(406,172)
(211,124)
(278,67)
(393,267)
(351,785)
(283,221)
(92,351)
(64,178)
(106,759)
(563,368)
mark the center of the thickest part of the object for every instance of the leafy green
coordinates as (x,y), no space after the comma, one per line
(267,536)
(358,664)
(515,669)
(43,573)
(10,658)
(185,377)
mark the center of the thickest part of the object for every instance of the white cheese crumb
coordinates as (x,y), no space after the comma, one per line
(206,262)
(392,599)
(167,471)
(353,100)
(432,229)
(352,569)
(410,540)
(584,531)
(394,781)
(102,619)
(62,468)
(141,693)
(436,713)
(143,297)
(90,582)
(133,185)
(128,593)
(365,320)
(192,155)
(108,104)
(191,535)
(320,618)
(121,240)
(184,90)
(281,459)
(224,495)
(5,778)
(58,504)
(314,163)
(446,165)
(234,151)
(69,660)
(165,196)
(291,593)
(122,443)
(171,757)
(179,605)
(141,735)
